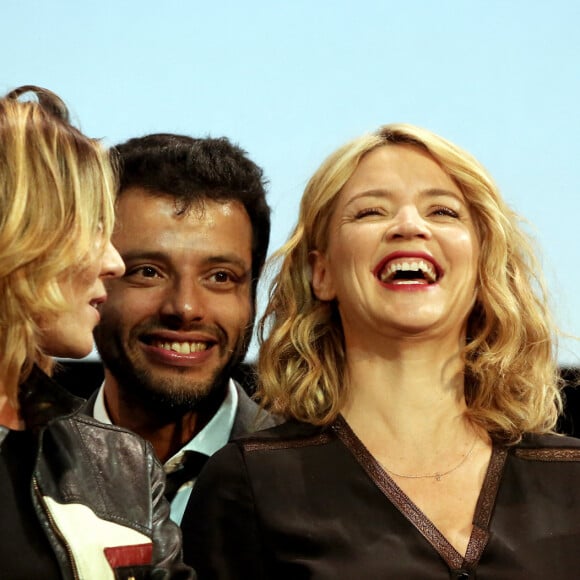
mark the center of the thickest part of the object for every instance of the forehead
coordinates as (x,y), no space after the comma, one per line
(397,168)
(158,223)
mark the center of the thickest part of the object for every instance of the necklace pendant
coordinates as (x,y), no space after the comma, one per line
(437,477)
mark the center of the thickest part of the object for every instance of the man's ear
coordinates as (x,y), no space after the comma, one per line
(322,284)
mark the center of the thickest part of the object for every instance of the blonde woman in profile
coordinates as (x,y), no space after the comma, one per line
(78,499)
(408,341)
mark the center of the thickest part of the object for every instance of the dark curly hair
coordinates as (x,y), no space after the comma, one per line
(195,169)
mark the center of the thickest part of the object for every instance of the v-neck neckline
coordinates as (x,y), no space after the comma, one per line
(483,509)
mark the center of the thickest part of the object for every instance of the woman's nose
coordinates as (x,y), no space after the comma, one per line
(112,265)
(408,223)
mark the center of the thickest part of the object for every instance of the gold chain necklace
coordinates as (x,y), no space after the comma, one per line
(437,475)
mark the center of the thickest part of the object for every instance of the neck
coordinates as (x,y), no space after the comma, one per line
(9,414)
(410,390)
(167,431)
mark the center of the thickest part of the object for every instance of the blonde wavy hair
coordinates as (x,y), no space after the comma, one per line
(57,190)
(512,382)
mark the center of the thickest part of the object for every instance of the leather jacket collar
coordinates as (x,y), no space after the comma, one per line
(43,400)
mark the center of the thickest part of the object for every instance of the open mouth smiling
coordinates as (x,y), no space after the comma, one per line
(408,270)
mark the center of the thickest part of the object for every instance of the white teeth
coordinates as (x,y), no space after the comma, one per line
(407,282)
(182,347)
(408,266)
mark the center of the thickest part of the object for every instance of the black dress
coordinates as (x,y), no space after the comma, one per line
(298,501)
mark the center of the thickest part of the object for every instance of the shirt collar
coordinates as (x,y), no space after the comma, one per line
(209,440)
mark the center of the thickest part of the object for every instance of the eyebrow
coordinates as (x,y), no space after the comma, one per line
(228,259)
(386,193)
(143,255)
(158,256)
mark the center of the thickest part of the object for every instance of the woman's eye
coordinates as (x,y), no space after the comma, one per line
(369,211)
(445,211)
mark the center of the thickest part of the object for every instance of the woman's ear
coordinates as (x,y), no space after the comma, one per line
(322,284)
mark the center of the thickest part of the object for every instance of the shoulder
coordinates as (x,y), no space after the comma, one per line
(99,439)
(250,416)
(112,470)
(548,448)
(292,434)
(267,456)
(91,424)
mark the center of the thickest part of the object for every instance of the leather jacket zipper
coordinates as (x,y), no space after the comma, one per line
(56,529)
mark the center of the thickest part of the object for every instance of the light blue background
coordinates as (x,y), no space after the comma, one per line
(290,81)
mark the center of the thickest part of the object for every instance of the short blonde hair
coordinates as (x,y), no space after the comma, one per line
(512,382)
(57,190)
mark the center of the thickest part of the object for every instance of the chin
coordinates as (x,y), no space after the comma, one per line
(74,351)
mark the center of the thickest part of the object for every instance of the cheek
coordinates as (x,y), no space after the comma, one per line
(88,276)
(46,325)
(466,247)
(239,312)
(129,301)
(358,248)
(351,247)
(467,251)
(70,287)
(118,313)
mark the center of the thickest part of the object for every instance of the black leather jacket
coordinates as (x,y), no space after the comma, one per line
(98,492)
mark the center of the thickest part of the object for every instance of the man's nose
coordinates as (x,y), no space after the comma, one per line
(184,302)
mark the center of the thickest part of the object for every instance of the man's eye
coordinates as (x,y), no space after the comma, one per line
(143,271)
(149,272)
(222,277)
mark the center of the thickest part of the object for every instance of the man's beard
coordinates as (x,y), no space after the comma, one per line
(167,399)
